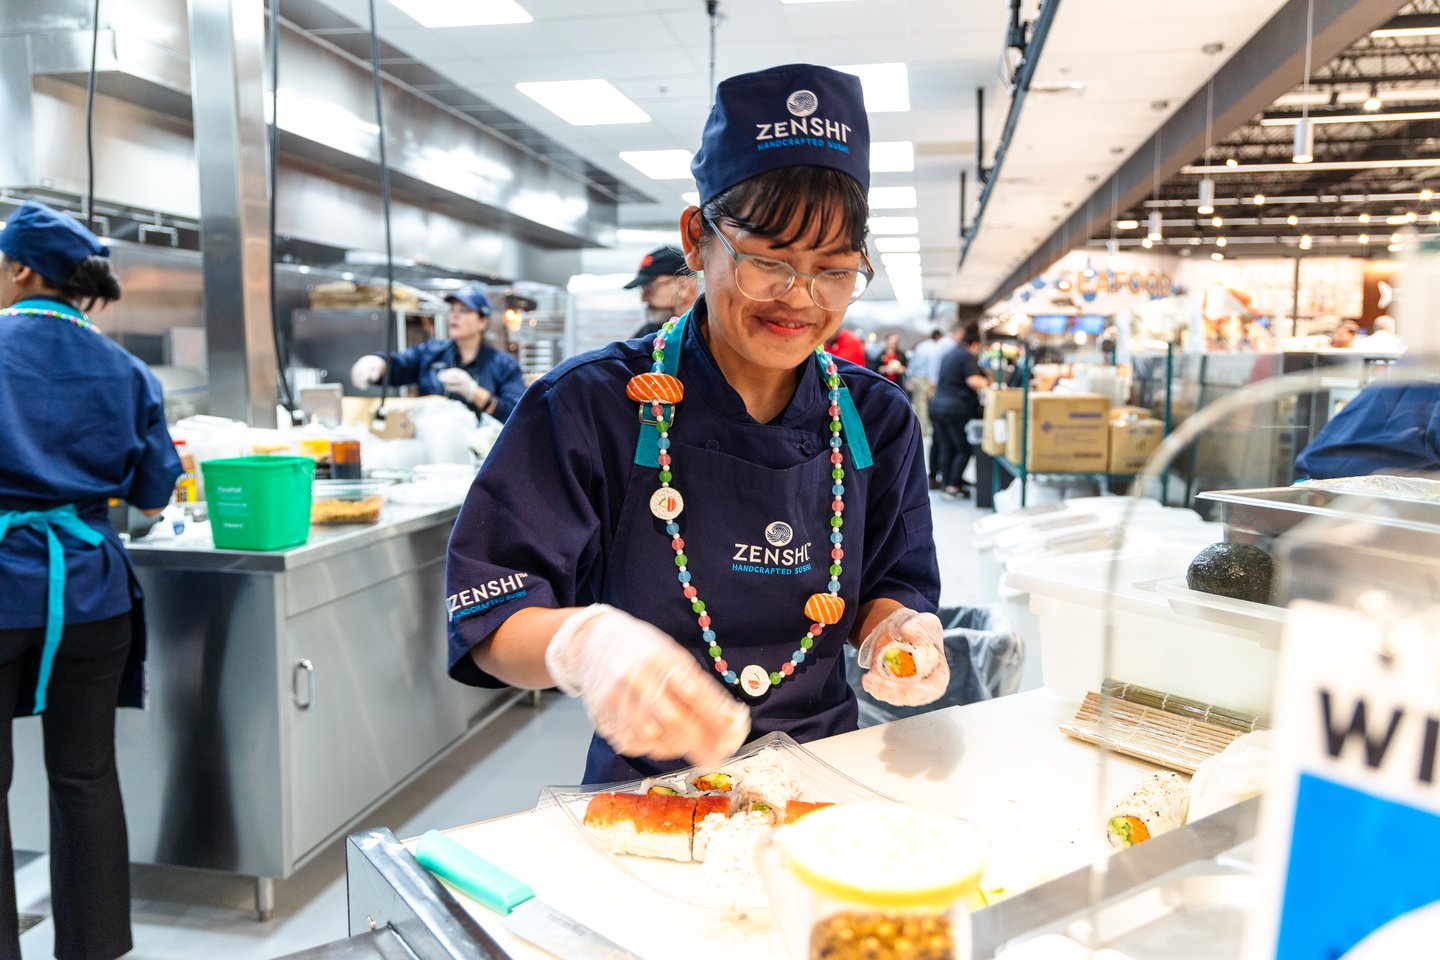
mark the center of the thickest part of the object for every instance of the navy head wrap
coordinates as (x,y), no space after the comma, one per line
(48,242)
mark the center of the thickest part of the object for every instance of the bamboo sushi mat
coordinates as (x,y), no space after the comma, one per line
(1176,742)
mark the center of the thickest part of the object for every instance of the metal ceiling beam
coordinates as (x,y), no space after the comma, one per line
(1267,67)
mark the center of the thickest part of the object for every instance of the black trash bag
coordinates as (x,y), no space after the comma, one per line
(984,654)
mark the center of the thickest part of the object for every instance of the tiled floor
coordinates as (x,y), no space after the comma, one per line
(189,914)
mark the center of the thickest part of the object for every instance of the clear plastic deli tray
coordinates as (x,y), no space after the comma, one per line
(727,880)
(347,501)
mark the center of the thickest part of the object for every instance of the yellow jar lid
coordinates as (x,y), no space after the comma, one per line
(883,855)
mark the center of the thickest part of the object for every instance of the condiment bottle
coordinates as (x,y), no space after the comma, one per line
(874,881)
(345,455)
(316,445)
(187,487)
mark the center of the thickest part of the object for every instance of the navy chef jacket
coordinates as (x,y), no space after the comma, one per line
(558,516)
(495,371)
(1387,428)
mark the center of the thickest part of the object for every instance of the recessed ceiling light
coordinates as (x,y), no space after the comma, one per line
(886,86)
(660,164)
(897,244)
(892,225)
(892,156)
(899,259)
(463,13)
(584,103)
(691,197)
(892,198)
(1217,256)
(1127,224)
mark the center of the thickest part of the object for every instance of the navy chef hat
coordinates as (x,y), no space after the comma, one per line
(792,116)
(472,297)
(48,242)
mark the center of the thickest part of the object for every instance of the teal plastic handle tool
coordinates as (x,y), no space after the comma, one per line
(471,873)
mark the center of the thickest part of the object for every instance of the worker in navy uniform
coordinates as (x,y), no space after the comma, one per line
(667,287)
(84,423)
(1390,427)
(463,366)
(685,530)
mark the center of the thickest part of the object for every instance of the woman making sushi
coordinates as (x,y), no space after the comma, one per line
(694,571)
(84,422)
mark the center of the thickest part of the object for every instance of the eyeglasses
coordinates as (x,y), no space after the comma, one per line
(765,278)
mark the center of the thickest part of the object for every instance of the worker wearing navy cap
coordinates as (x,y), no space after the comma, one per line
(84,423)
(667,287)
(685,530)
(463,366)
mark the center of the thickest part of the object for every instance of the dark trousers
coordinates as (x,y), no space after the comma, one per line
(952,444)
(89,849)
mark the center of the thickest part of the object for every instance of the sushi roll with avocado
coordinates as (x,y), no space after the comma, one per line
(1158,805)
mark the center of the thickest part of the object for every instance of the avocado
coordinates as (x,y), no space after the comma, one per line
(1235,570)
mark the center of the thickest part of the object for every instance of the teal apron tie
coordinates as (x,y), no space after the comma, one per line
(647,446)
(68,520)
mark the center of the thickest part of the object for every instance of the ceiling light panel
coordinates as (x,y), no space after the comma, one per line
(886,86)
(463,13)
(660,164)
(897,244)
(892,198)
(584,103)
(892,225)
(892,156)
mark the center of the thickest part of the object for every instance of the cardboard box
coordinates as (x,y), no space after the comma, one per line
(1069,433)
(1132,443)
(997,403)
(1011,433)
(1130,413)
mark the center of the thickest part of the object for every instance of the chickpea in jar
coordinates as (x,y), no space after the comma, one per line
(853,935)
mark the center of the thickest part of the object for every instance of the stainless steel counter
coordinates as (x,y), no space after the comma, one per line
(291,691)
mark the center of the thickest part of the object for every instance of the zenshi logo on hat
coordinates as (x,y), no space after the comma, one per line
(795,115)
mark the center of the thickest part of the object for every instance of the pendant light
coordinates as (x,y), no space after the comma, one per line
(1304,128)
(1207,186)
(1155,232)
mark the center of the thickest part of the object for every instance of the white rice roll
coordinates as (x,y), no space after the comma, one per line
(767,778)
(1157,805)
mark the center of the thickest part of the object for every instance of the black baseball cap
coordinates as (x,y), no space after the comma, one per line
(660,262)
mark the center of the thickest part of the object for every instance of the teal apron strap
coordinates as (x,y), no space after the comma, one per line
(68,520)
(647,447)
(849,418)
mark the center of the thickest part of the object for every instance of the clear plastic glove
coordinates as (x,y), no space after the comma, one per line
(646,694)
(458,382)
(904,659)
(366,371)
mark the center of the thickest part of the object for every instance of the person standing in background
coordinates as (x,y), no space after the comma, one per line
(892,362)
(924,366)
(84,423)
(464,366)
(956,403)
(845,345)
(667,288)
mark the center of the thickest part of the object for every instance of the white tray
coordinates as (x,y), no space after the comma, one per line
(1263,620)
(563,810)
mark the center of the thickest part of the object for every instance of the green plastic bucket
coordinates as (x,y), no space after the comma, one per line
(258,503)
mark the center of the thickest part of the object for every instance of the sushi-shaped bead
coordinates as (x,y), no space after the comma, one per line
(655,387)
(825,608)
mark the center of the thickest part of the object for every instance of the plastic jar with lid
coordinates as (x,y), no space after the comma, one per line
(345,454)
(874,881)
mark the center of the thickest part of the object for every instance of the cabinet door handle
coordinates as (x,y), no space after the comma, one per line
(307,667)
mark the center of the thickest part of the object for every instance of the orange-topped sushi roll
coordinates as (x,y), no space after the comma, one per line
(650,825)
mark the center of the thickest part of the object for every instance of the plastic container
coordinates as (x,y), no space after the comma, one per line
(1155,645)
(874,881)
(347,501)
(258,503)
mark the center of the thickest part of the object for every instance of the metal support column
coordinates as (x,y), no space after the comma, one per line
(227,60)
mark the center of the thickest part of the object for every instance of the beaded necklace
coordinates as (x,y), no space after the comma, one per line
(657,390)
(71,318)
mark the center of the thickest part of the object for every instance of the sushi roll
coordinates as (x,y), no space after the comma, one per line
(648,825)
(1157,805)
(796,809)
(710,814)
(903,659)
(712,783)
(766,779)
(668,786)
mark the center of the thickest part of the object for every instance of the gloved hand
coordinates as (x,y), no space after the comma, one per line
(367,370)
(904,659)
(646,694)
(458,382)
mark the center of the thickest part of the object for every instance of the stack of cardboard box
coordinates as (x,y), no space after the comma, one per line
(1069,432)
